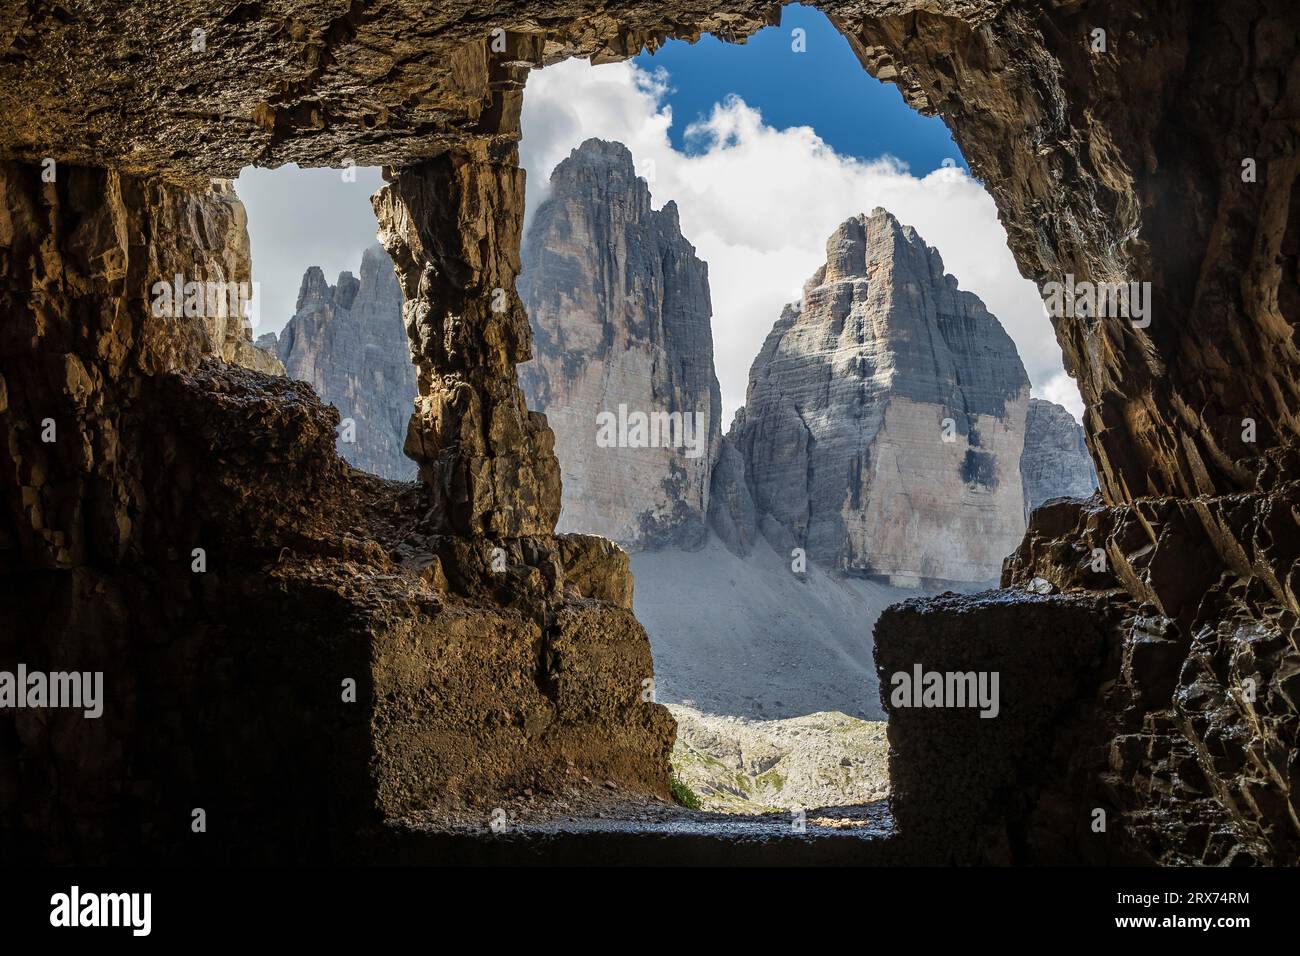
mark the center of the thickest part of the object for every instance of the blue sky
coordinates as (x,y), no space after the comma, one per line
(824,87)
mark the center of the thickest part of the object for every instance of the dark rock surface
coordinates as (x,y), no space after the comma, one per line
(348,341)
(962,785)
(469,682)
(1198,713)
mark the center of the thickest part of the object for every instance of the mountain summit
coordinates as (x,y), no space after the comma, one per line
(885,417)
(620,312)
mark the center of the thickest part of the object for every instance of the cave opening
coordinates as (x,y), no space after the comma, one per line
(344,336)
(1108,165)
(859,427)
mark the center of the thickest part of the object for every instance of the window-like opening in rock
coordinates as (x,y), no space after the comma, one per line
(328,305)
(766,384)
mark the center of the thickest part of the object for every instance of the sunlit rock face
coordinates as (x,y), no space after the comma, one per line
(348,341)
(619,306)
(885,416)
(1055,463)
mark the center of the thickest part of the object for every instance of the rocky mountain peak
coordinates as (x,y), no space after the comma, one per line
(314,291)
(348,340)
(607,167)
(887,390)
(620,312)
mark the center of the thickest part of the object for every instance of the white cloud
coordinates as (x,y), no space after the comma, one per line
(758,204)
(1060,388)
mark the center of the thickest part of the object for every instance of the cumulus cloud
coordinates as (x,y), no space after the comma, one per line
(758,204)
(1060,388)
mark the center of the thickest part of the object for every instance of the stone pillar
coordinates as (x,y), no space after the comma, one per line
(452,226)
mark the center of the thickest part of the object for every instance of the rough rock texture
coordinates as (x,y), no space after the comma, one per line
(79,258)
(619,306)
(348,341)
(469,682)
(886,391)
(1055,462)
(1196,727)
(1125,164)
(1181,713)
(452,227)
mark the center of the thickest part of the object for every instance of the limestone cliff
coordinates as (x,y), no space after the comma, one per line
(885,416)
(619,306)
(1055,463)
(348,341)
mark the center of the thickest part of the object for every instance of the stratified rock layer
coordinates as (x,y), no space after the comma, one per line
(885,416)
(619,305)
(1055,462)
(347,340)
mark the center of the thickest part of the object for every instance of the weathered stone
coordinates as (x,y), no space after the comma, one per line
(452,228)
(83,260)
(1192,730)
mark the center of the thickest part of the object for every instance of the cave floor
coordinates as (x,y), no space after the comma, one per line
(645,833)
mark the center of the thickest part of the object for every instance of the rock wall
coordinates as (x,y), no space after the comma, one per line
(888,392)
(82,255)
(347,340)
(1055,462)
(273,628)
(337,663)
(619,306)
(1193,738)
(1179,722)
